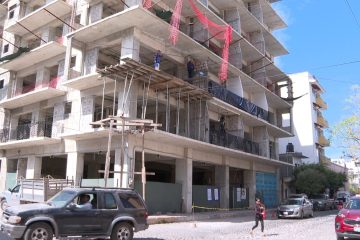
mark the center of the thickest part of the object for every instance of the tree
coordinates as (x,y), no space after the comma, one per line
(316,178)
(346,133)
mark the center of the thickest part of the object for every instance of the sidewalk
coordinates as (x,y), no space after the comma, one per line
(174,218)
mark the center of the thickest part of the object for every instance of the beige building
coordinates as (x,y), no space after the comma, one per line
(67,64)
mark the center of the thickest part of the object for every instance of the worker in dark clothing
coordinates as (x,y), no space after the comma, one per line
(191,68)
(222,130)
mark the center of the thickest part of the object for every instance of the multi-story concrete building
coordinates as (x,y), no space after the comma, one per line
(308,121)
(68,64)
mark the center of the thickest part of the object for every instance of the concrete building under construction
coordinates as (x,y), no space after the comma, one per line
(74,72)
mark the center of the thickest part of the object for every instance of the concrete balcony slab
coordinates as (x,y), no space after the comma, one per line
(31,142)
(40,17)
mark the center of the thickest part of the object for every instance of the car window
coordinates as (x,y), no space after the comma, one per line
(16,189)
(294,202)
(61,198)
(353,204)
(131,201)
(110,202)
(86,201)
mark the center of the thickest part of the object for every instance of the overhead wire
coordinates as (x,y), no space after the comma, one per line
(352,13)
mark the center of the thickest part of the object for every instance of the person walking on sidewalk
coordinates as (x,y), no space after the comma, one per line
(259,216)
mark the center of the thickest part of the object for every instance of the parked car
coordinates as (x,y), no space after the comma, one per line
(323,202)
(295,208)
(347,221)
(114,213)
(33,190)
(298,195)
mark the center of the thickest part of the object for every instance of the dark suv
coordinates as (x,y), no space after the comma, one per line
(114,213)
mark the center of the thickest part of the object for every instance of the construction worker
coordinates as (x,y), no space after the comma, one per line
(157,60)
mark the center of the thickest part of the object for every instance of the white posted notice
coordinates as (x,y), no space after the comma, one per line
(209,194)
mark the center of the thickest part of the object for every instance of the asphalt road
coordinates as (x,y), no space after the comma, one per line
(321,227)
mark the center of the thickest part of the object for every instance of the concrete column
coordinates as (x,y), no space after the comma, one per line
(91,59)
(200,33)
(222,181)
(87,112)
(250,182)
(257,39)
(61,69)
(3,172)
(125,183)
(96,12)
(75,166)
(33,167)
(48,34)
(84,17)
(258,72)
(37,123)
(199,121)
(235,126)
(232,17)
(21,167)
(42,77)
(183,175)
(130,45)
(14,122)
(58,117)
(67,61)
(127,107)
(234,85)
(256,10)
(261,136)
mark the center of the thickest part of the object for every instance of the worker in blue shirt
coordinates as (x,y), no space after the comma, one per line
(157,59)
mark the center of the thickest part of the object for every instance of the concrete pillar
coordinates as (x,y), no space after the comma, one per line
(42,77)
(125,183)
(87,112)
(14,122)
(234,85)
(37,123)
(91,60)
(48,34)
(61,69)
(75,166)
(261,136)
(232,17)
(21,168)
(58,117)
(96,12)
(258,72)
(250,182)
(235,126)
(84,17)
(3,172)
(130,45)
(222,181)
(199,121)
(127,107)
(183,175)
(257,39)
(67,61)
(33,167)
(256,9)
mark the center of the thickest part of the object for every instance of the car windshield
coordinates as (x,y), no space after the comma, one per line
(341,195)
(61,198)
(353,204)
(293,202)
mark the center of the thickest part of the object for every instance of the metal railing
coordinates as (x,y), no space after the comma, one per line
(234,142)
(26,131)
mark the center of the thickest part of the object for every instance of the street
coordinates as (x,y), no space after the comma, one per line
(321,226)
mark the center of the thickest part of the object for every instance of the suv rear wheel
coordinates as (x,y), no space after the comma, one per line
(122,231)
(39,231)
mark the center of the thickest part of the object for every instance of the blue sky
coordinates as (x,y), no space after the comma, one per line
(323,33)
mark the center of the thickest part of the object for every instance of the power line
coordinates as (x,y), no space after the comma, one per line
(335,65)
(352,13)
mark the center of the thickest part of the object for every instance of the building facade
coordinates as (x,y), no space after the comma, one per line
(308,120)
(69,64)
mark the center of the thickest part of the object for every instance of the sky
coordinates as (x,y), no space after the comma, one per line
(320,37)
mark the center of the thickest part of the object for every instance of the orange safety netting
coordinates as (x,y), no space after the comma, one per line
(147,4)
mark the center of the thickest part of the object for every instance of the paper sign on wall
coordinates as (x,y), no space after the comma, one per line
(243,193)
(209,195)
(216,194)
(238,194)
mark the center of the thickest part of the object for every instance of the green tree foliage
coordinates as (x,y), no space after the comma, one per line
(316,178)
(346,134)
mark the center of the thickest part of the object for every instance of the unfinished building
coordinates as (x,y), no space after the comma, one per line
(69,65)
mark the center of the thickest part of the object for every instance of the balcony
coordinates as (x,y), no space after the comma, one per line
(322,141)
(320,121)
(36,55)
(86,81)
(320,102)
(27,135)
(234,142)
(40,17)
(33,94)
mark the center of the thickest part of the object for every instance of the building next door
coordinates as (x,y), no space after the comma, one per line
(266,188)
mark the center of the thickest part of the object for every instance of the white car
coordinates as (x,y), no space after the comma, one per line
(295,208)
